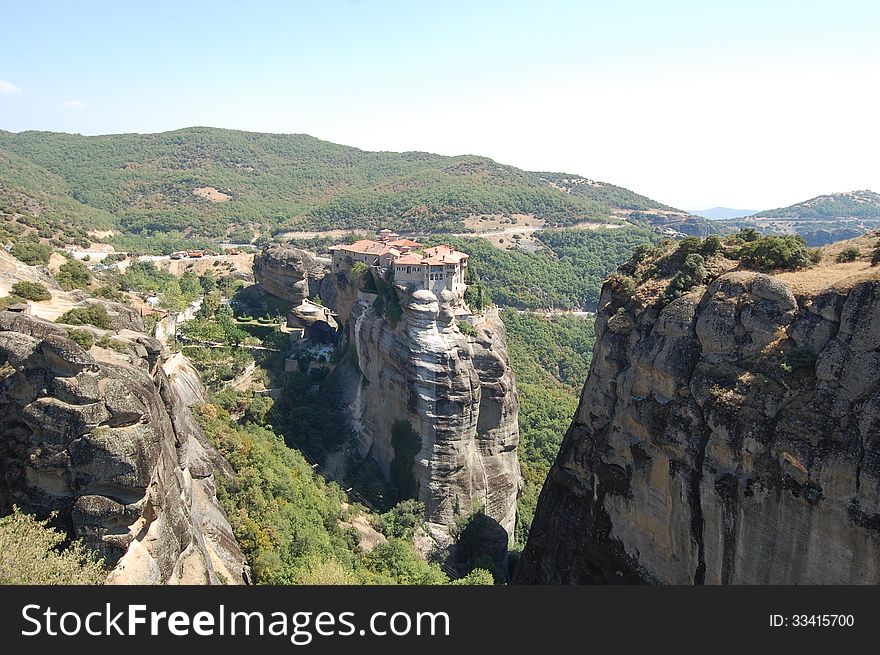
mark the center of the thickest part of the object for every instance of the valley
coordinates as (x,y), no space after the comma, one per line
(360,420)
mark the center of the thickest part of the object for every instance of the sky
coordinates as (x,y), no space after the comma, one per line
(746,104)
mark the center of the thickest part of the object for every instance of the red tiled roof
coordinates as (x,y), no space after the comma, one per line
(365,247)
(405,243)
(409,259)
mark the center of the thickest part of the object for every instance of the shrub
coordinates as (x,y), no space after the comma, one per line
(787,251)
(467,329)
(31,553)
(712,245)
(94,314)
(31,291)
(83,339)
(32,254)
(623,285)
(359,269)
(849,254)
(800,360)
(73,275)
(692,273)
(402,520)
(7,301)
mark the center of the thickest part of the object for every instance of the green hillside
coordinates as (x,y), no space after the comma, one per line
(147,183)
(852,204)
(820,220)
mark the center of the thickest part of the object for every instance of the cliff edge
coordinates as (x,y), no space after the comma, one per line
(731,435)
(104,437)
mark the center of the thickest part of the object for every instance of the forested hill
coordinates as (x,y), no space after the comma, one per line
(820,220)
(851,204)
(207,182)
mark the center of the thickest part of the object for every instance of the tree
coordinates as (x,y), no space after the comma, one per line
(31,253)
(94,314)
(210,305)
(190,286)
(172,298)
(73,274)
(32,553)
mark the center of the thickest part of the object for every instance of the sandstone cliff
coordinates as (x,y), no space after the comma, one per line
(456,392)
(730,436)
(289,273)
(451,396)
(105,438)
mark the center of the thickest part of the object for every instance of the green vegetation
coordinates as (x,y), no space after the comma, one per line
(786,251)
(8,301)
(31,291)
(93,314)
(33,553)
(73,274)
(82,338)
(858,204)
(692,273)
(551,359)
(143,185)
(477,295)
(800,360)
(387,303)
(31,253)
(567,274)
(287,518)
(849,254)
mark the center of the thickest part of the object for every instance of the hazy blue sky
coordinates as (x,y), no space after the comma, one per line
(745,104)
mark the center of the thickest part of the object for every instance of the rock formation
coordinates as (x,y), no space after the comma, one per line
(452,396)
(456,392)
(105,439)
(729,436)
(289,273)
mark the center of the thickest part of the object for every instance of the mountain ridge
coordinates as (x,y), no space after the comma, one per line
(214,182)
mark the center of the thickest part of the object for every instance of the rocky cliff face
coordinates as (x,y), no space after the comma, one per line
(422,376)
(289,273)
(105,438)
(456,392)
(730,436)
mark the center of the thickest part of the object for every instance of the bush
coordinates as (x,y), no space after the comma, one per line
(94,314)
(359,269)
(31,553)
(402,520)
(623,285)
(8,301)
(73,275)
(788,251)
(711,246)
(31,291)
(477,296)
(692,273)
(800,360)
(83,339)
(467,329)
(32,254)
(849,254)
